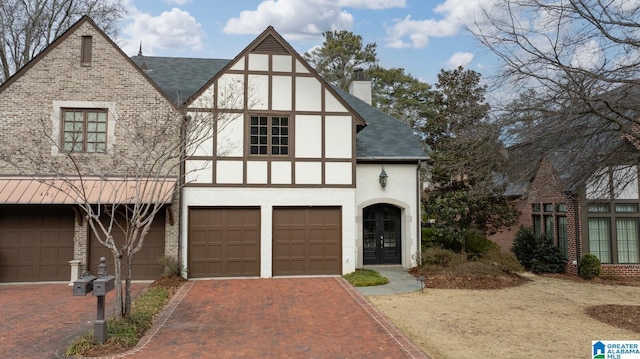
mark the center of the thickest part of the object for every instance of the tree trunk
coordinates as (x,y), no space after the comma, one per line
(127,300)
(117,261)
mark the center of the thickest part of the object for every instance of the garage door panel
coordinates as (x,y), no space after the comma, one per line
(36,243)
(146,264)
(307,240)
(232,242)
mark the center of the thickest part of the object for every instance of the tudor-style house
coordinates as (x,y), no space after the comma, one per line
(292,176)
(298,177)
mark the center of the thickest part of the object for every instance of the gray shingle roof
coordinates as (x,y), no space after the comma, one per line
(384,139)
(177,77)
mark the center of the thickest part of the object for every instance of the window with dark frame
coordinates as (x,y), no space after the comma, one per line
(563,240)
(84,130)
(269,135)
(550,219)
(85,52)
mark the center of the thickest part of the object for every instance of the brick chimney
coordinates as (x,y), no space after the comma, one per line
(360,87)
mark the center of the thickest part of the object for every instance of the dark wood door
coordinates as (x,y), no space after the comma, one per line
(36,243)
(224,242)
(307,241)
(146,263)
(381,235)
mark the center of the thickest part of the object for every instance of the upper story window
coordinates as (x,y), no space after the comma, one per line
(85,51)
(269,135)
(84,130)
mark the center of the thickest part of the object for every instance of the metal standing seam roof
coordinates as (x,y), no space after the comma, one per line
(28,190)
(383,139)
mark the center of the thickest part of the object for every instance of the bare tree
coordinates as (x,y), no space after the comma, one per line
(124,188)
(577,65)
(27,27)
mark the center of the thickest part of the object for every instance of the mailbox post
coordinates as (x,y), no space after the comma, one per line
(100,286)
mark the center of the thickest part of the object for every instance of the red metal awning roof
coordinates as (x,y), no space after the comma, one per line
(94,190)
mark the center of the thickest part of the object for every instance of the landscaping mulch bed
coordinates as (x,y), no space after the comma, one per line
(619,316)
(446,281)
(171,283)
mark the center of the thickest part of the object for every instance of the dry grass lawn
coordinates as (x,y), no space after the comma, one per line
(543,318)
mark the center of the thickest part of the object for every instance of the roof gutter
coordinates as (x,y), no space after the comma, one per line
(391,159)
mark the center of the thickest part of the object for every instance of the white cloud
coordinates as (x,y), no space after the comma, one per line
(460,59)
(177,2)
(175,29)
(588,56)
(303,20)
(456,14)
(371,4)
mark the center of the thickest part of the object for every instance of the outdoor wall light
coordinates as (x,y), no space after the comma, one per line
(383,178)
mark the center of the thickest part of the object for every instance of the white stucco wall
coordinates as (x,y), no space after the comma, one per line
(266,199)
(401,191)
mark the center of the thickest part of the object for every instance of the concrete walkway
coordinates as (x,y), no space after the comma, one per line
(400,282)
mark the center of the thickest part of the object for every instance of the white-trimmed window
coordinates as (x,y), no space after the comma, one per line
(84,130)
(269,136)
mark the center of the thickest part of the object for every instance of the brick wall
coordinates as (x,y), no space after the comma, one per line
(28,109)
(545,187)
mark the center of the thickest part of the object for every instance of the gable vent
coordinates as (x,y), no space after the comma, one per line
(270,45)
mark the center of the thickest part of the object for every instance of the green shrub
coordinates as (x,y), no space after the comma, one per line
(590,266)
(171,265)
(507,262)
(365,277)
(478,246)
(537,253)
(524,247)
(441,257)
(548,258)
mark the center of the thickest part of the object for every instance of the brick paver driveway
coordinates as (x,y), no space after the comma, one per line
(275,318)
(234,318)
(40,320)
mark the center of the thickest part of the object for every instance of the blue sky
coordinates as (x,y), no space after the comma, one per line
(421,36)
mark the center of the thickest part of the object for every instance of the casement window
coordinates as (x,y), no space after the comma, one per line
(599,238)
(269,135)
(563,240)
(550,219)
(627,240)
(614,231)
(85,51)
(84,130)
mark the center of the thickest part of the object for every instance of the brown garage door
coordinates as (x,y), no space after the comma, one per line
(307,241)
(224,242)
(36,243)
(146,265)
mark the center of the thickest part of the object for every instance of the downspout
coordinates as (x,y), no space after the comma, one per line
(577,221)
(183,148)
(419,215)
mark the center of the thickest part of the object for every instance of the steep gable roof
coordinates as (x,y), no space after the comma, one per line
(180,78)
(83,20)
(184,79)
(384,138)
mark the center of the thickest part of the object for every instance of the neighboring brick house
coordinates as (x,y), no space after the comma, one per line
(294,176)
(79,94)
(598,215)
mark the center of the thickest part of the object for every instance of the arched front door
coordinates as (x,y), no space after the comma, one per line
(382,240)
